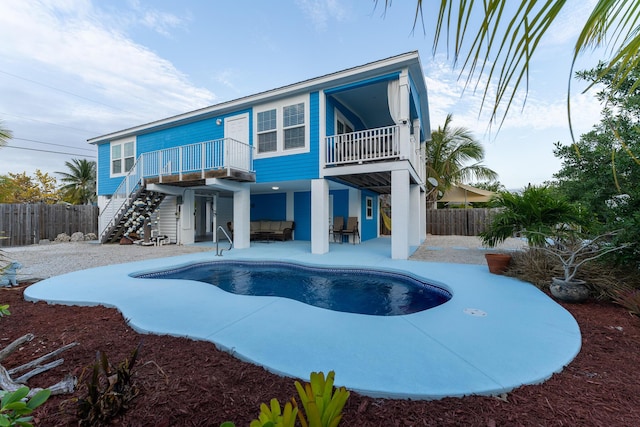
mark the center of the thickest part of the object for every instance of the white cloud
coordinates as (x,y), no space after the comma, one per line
(320,12)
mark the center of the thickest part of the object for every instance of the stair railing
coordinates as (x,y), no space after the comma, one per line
(121,196)
(219,252)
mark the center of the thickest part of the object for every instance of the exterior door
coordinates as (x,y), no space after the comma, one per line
(237,128)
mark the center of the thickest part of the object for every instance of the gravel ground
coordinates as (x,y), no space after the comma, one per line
(43,261)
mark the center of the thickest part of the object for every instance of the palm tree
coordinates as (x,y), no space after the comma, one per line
(80,188)
(503,41)
(448,155)
(5,135)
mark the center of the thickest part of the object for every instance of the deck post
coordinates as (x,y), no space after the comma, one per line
(241,217)
(400,207)
(415,235)
(319,216)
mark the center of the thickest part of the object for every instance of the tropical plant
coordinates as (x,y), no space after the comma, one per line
(322,405)
(22,188)
(496,40)
(448,155)
(5,134)
(535,214)
(80,182)
(573,250)
(109,391)
(15,410)
(274,416)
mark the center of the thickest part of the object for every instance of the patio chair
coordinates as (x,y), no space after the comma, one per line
(337,228)
(352,229)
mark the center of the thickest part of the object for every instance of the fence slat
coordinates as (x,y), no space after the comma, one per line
(458,222)
(25,224)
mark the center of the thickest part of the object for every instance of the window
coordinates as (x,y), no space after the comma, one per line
(293,124)
(123,156)
(369,207)
(267,131)
(281,127)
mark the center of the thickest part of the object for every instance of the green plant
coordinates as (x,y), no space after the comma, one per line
(322,406)
(109,394)
(4,310)
(534,214)
(274,416)
(15,410)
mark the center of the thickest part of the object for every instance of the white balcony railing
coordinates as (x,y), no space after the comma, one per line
(200,157)
(363,146)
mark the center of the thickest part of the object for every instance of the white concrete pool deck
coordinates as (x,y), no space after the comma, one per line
(495,334)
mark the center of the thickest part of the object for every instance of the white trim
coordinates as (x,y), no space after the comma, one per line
(121,142)
(279,107)
(367,207)
(337,115)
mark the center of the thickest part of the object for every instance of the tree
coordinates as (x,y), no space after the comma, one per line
(504,39)
(450,150)
(21,188)
(600,171)
(5,135)
(80,182)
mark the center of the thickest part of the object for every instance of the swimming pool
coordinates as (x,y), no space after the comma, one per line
(350,290)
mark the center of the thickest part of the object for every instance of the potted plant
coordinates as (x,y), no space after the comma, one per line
(573,251)
(532,214)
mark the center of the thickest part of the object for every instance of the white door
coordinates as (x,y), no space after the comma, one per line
(237,127)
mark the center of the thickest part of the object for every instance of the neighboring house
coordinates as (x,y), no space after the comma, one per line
(307,152)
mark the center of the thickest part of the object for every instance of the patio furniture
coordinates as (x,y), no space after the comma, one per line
(336,228)
(352,229)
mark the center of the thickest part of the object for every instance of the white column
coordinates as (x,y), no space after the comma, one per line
(241,217)
(187,218)
(319,215)
(290,213)
(405,124)
(423,215)
(414,215)
(400,206)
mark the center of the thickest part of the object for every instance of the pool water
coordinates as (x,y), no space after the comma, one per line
(350,290)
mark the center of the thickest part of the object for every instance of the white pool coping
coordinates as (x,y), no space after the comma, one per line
(495,334)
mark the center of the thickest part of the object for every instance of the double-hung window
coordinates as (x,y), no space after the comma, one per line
(293,125)
(282,127)
(267,131)
(123,156)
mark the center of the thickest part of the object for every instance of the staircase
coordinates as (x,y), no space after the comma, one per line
(130,219)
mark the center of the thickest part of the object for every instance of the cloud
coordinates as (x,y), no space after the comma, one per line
(320,12)
(70,39)
(157,20)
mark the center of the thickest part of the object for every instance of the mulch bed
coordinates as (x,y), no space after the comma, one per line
(191,383)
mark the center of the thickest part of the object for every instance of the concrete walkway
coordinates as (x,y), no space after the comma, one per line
(495,334)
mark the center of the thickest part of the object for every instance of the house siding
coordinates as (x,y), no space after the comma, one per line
(190,133)
(302,214)
(295,166)
(269,207)
(369,227)
(340,203)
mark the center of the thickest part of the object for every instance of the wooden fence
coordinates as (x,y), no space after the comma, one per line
(26,224)
(457,222)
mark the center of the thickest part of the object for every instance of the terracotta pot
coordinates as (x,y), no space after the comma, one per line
(498,263)
(573,291)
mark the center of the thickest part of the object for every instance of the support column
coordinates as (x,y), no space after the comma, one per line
(319,216)
(405,123)
(187,218)
(414,215)
(423,215)
(400,206)
(241,218)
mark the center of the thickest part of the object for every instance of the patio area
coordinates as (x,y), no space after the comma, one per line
(495,334)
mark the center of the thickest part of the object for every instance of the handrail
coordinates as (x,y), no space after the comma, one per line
(198,157)
(219,253)
(363,146)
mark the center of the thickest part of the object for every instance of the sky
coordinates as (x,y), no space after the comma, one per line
(71,70)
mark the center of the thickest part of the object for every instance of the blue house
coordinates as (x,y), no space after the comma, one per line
(301,155)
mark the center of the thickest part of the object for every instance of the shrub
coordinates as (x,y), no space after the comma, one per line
(15,410)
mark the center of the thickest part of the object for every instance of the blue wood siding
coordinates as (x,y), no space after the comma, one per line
(189,133)
(295,166)
(331,105)
(340,203)
(369,228)
(269,207)
(302,215)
